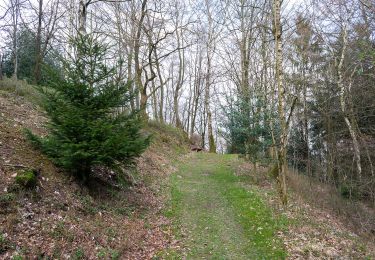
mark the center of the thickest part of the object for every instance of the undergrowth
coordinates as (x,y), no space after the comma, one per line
(355,213)
(20,88)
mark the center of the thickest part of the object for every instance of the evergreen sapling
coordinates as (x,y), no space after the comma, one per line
(90,119)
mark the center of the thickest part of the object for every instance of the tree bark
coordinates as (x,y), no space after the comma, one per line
(154,101)
(1,67)
(211,140)
(161,81)
(197,91)
(180,79)
(138,69)
(38,53)
(15,15)
(82,16)
(282,156)
(350,123)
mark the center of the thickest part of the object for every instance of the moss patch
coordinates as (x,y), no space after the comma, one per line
(26,179)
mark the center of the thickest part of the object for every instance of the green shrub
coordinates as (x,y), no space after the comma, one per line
(349,191)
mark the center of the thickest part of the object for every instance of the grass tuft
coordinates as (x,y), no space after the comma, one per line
(20,88)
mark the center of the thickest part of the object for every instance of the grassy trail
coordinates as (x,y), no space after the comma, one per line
(217,218)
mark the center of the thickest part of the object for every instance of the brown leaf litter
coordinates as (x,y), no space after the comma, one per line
(313,232)
(60,219)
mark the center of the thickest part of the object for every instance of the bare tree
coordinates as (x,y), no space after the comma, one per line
(15,17)
(281,153)
(210,46)
(1,66)
(351,123)
(47,20)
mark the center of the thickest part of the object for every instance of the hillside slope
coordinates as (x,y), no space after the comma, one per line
(180,205)
(60,219)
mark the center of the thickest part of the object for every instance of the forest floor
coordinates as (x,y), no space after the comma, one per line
(61,219)
(222,209)
(181,205)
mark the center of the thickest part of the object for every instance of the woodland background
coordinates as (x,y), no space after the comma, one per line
(268,79)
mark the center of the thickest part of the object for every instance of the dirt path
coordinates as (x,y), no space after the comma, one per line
(217,218)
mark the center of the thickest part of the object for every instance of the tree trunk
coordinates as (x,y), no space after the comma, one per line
(176,109)
(305,117)
(189,108)
(211,140)
(161,81)
(1,67)
(154,101)
(15,14)
(282,156)
(196,94)
(331,147)
(181,71)
(82,17)
(38,53)
(130,56)
(350,123)
(143,103)
(138,69)
(245,63)
(130,76)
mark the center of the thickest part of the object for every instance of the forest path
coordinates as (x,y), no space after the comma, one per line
(216,217)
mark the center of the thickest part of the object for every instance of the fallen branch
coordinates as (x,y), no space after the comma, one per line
(16,165)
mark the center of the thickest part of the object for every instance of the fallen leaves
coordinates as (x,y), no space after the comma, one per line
(313,232)
(55,222)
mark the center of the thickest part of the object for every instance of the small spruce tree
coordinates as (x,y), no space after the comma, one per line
(90,120)
(247,131)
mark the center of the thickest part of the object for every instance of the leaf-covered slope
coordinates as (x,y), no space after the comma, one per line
(58,218)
